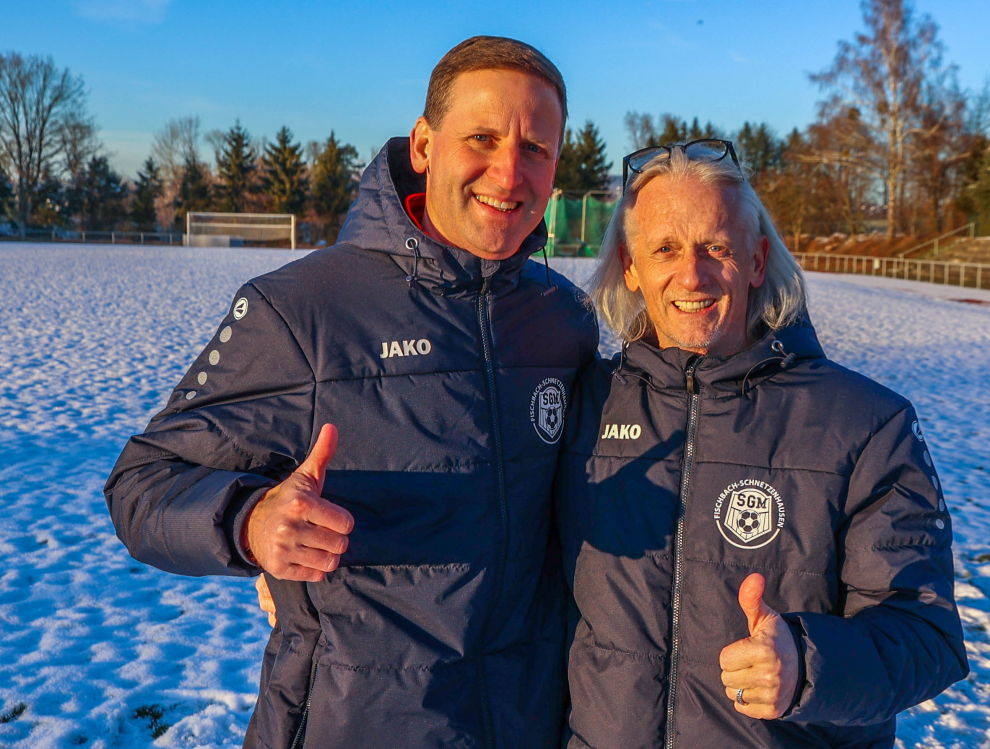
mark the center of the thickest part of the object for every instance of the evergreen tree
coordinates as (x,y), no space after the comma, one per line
(6,195)
(974,197)
(791,189)
(334,186)
(148,188)
(582,166)
(758,147)
(194,191)
(666,130)
(285,180)
(675,130)
(51,206)
(236,168)
(70,196)
(103,195)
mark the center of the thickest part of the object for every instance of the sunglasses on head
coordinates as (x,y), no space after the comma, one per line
(704,149)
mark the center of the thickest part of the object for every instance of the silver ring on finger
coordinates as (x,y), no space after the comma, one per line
(739,697)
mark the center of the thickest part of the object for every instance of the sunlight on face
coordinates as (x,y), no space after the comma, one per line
(490,164)
(691,255)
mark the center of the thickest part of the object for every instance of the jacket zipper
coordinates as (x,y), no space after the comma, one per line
(484,320)
(692,428)
(301,731)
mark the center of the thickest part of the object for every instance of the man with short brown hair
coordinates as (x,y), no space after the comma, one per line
(419,603)
(489,53)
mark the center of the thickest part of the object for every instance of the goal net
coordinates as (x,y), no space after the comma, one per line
(232,229)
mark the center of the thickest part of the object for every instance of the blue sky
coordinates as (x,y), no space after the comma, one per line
(360,68)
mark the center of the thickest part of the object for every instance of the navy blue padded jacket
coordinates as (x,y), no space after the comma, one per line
(447,377)
(680,476)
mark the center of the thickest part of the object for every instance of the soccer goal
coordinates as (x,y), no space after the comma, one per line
(233,229)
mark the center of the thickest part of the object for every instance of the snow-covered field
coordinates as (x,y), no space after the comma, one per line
(97,650)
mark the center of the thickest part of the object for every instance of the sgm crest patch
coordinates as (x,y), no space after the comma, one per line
(546,409)
(749,513)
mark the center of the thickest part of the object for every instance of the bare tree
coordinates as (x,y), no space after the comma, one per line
(642,131)
(881,74)
(978,110)
(176,143)
(647,132)
(791,187)
(172,147)
(839,148)
(940,148)
(42,113)
(216,140)
(79,144)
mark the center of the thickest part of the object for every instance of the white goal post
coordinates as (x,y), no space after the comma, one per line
(224,227)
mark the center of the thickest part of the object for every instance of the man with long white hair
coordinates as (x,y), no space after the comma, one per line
(755,537)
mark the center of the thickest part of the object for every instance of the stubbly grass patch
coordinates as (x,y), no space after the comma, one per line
(153,714)
(14,713)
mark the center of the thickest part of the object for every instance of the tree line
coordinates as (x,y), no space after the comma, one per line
(317,182)
(895,136)
(896,144)
(55,172)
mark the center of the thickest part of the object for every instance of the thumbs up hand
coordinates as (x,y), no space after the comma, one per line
(765,664)
(293,533)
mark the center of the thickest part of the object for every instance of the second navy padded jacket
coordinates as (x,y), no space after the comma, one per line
(680,476)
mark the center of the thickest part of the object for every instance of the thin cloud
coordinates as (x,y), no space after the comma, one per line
(668,39)
(736,57)
(142,11)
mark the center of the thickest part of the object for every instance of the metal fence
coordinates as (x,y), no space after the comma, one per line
(972,275)
(111,237)
(969,228)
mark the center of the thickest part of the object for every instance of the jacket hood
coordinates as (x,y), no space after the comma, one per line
(777,350)
(377,221)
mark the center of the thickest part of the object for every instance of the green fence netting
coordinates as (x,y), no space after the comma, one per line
(577,224)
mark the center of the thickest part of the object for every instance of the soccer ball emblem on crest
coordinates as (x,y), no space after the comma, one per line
(748,515)
(749,511)
(546,409)
(748,522)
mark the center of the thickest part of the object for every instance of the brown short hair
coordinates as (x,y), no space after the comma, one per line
(489,53)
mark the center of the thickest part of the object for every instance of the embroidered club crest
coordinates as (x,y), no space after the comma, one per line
(546,409)
(749,513)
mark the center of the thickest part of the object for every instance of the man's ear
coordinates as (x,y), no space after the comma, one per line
(420,145)
(760,255)
(630,273)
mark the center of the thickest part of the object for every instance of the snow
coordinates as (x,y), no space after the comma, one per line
(103,651)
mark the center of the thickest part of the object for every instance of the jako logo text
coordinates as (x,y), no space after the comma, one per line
(621,432)
(406,348)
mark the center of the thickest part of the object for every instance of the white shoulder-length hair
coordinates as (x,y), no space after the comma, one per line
(779,301)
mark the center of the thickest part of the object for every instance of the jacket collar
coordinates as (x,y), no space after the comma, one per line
(378,221)
(666,368)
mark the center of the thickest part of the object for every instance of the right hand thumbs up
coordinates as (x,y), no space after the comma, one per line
(293,533)
(315,465)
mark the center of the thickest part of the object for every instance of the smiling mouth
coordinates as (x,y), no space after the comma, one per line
(499,205)
(694,306)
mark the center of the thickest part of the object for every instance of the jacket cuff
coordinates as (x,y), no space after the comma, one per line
(797,632)
(239,509)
